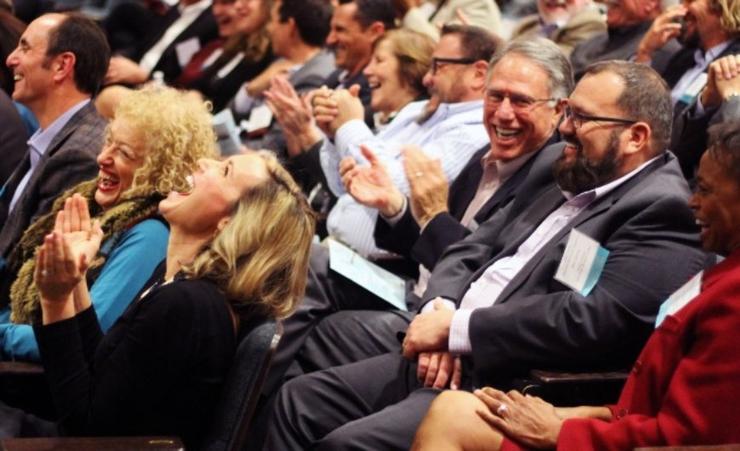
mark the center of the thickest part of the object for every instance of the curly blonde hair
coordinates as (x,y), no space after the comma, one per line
(177,132)
(260,258)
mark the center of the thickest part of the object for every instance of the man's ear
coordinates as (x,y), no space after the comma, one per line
(375,30)
(639,138)
(63,66)
(480,72)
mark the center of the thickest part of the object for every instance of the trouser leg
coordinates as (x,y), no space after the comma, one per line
(311,406)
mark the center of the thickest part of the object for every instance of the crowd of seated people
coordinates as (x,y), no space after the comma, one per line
(433,197)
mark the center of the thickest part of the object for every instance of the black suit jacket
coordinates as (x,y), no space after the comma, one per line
(204,28)
(689,136)
(537,322)
(406,238)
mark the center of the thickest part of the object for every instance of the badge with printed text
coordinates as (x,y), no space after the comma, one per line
(582,263)
(680,298)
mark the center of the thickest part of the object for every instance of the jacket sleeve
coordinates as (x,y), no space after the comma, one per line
(700,405)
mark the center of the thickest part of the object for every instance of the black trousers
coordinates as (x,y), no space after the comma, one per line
(337,323)
(375,404)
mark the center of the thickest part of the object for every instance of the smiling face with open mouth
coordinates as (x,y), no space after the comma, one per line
(716,207)
(516,130)
(123,153)
(32,69)
(384,79)
(214,189)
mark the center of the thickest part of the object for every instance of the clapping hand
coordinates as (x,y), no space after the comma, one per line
(428,184)
(371,185)
(294,115)
(723,81)
(66,253)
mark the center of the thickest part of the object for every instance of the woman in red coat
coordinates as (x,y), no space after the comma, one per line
(684,388)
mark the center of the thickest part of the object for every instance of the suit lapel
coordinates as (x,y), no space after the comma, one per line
(602,205)
(12,184)
(464,187)
(523,226)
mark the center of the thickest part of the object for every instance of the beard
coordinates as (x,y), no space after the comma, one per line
(582,175)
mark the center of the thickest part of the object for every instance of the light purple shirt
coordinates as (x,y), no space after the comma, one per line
(38,144)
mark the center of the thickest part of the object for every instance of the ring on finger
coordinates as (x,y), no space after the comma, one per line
(502,409)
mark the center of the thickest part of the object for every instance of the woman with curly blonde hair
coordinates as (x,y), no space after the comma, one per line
(154,140)
(237,253)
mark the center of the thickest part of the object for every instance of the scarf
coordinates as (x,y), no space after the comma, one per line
(24,295)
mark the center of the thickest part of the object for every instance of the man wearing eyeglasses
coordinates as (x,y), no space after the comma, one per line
(569,277)
(521,113)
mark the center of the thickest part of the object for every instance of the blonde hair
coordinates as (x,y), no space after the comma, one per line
(177,132)
(414,53)
(260,258)
(730,15)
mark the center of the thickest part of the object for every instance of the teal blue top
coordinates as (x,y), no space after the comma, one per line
(128,267)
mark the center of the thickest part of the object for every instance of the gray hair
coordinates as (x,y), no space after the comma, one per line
(547,56)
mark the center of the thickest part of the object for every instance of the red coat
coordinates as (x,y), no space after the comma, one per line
(684,388)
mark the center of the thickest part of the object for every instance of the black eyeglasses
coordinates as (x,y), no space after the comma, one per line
(437,61)
(518,102)
(579,119)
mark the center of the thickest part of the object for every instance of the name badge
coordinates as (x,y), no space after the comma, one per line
(260,117)
(582,263)
(680,298)
(694,89)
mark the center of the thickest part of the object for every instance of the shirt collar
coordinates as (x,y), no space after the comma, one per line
(508,168)
(41,139)
(586,197)
(704,58)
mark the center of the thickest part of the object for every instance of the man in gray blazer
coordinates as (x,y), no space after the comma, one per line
(58,65)
(298,30)
(526,290)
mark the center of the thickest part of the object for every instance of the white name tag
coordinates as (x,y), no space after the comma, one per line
(582,263)
(185,51)
(680,298)
(694,89)
(370,276)
(259,118)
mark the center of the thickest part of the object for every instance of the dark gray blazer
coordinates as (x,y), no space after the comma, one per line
(69,160)
(13,137)
(537,322)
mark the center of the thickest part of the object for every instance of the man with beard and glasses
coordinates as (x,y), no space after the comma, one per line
(708,31)
(525,290)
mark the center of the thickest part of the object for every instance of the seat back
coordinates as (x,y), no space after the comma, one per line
(242,387)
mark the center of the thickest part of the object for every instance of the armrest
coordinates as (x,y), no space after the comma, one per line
(573,389)
(551,377)
(92,443)
(21,369)
(23,385)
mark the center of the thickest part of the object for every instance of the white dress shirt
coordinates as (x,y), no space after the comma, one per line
(485,291)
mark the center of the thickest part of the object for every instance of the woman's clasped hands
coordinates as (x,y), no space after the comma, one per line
(65,255)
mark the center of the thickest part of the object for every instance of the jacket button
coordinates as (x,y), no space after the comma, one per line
(638,366)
